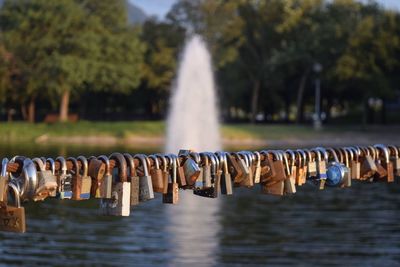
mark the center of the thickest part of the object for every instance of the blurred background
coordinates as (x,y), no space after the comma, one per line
(90,77)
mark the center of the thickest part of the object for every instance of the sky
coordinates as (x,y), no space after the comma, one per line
(161,7)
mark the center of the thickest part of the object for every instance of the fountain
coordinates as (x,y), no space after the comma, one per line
(193,118)
(193,124)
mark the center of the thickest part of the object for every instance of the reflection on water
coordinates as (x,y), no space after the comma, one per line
(352,227)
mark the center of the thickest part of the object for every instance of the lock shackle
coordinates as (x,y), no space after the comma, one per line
(63,164)
(214,164)
(75,165)
(302,157)
(155,160)
(276,154)
(393,151)
(52,164)
(341,155)
(131,163)
(28,181)
(172,166)
(317,154)
(204,159)
(195,156)
(245,157)
(384,150)
(324,153)
(350,153)
(285,161)
(106,161)
(356,153)
(309,155)
(332,153)
(292,156)
(164,161)
(84,164)
(143,162)
(39,163)
(373,152)
(121,166)
(17,194)
(223,161)
(257,156)
(4,164)
(345,156)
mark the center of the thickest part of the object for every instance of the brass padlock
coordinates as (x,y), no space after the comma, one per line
(86,179)
(386,163)
(133,179)
(119,203)
(311,165)
(96,171)
(145,184)
(156,175)
(3,180)
(302,170)
(275,184)
(47,181)
(234,169)
(226,180)
(76,179)
(355,163)
(172,193)
(394,157)
(106,181)
(206,165)
(267,168)
(289,186)
(257,169)
(321,167)
(368,166)
(243,161)
(12,218)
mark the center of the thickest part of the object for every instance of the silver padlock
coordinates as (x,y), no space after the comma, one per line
(3,180)
(106,183)
(145,184)
(64,180)
(47,181)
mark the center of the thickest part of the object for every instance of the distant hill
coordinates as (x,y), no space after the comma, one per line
(135,14)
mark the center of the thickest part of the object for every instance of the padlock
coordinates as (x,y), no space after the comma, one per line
(47,181)
(106,182)
(156,176)
(12,218)
(64,180)
(226,180)
(355,163)
(251,158)
(257,169)
(386,163)
(52,168)
(347,174)
(119,203)
(86,179)
(165,171)
(133,179)
(199,181)
(3,180)
(293,167)
(394,157)
(275,184)
(244,166)
(191,170)
(211,192)
(26,181)
(368,165)
(172,193)
(145,185)
(76,179)
(234,169)
(301,177)
(267,168)
(321,168)
(311,165)
(96,171)
(206,165)
(289,186)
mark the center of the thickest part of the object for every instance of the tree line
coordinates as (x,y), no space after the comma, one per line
(83,56)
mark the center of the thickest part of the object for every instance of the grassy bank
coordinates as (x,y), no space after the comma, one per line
(24,132)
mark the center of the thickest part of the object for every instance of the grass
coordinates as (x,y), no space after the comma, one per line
(21,131)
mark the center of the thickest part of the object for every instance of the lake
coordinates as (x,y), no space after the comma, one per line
(358,226)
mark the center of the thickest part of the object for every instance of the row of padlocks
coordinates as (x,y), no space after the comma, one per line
(121,181)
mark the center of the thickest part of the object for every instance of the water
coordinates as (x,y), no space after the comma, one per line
(193,118)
